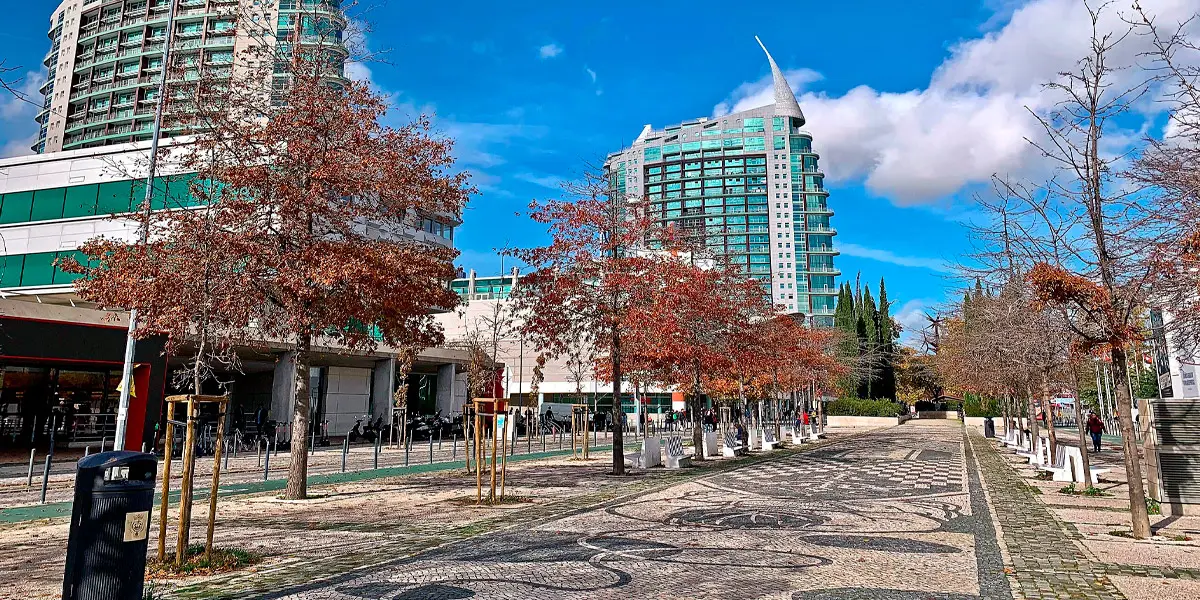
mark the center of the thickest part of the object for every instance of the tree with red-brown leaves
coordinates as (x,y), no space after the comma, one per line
(312,226)
(706,319)
(596,280)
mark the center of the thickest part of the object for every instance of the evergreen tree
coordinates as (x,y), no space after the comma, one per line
(869,338)
(887,337)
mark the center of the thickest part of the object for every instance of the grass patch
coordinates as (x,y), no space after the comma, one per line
(1153,507)
(1125,533)
(197,563)
(1090,491)
(1181,538)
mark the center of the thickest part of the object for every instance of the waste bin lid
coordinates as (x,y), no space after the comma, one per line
(104,460)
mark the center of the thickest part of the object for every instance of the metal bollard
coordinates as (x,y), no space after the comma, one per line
(543,441)
(103,441)
(87,451)
(46,477)
(345,451)
(227,460)
(267,464)
(407,446)
(528,442)
(258,447)
(378,442)
(431,449)
(454,451)
(31,452)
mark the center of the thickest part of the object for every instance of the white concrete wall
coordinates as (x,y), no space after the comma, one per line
(844,421)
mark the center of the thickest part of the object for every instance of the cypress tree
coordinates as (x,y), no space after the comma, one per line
(887,338)
(869,326)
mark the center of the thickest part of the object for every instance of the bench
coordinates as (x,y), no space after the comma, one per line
(768,441)
(1010,438)
(649,455)
(1068,466)
(798,436)
(676,459)
(1036,455)
(709,441)
(733,446)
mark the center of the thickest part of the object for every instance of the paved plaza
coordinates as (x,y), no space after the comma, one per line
(928,510)
(895,514)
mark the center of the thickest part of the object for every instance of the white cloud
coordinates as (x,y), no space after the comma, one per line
(18,130)
(549,51)
(912,320)
(358,71)
(546,181)
(887,256)
(971,121)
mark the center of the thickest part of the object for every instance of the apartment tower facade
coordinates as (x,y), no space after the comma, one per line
(749,184)
(105,60)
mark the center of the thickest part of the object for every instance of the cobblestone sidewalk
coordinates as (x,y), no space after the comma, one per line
(1046,563)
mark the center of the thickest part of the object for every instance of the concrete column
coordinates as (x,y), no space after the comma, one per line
(283,388)
(445,389)
(383,384)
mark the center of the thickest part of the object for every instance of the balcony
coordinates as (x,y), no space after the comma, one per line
(822,250)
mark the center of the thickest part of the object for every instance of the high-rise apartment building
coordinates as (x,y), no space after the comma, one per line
(748,184)
(106,58)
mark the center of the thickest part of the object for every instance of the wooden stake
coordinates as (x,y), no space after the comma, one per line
(495,425)
(166,484)
(185,489)
(478,460)
(216,481)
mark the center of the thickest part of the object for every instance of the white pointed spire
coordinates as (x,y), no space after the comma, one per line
(785,100)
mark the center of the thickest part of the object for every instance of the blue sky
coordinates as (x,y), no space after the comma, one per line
(911,109)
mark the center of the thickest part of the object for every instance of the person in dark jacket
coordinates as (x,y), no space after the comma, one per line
(1095,427)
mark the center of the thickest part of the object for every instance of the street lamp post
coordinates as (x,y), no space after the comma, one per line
(144,233)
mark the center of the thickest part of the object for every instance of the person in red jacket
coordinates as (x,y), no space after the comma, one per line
(1095,427)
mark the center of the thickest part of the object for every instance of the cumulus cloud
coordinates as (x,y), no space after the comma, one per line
(590,73)
(972,119)
(549,51)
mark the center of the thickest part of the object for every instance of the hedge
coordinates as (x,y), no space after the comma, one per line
(979,406)
(858,407)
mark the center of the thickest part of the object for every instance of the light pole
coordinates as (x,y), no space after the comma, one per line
(144,230)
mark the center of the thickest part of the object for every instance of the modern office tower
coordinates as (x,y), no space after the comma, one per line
(748,184)
(106,58)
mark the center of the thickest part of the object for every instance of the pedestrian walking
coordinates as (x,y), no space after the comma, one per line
(1095,427)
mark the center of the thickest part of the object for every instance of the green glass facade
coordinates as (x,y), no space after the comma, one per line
(751,188)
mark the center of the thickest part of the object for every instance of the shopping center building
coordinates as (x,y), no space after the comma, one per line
(61,357)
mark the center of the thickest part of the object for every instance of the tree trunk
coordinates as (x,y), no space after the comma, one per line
(618,449)
(1048,413)
(697,428)
(1031,413)
(1007,415)
(1133,465)
(297,481)
(1082,426)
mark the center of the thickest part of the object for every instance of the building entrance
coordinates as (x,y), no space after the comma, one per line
(79,403)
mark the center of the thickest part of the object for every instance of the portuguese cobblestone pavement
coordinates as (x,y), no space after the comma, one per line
(897,514)
(1046,563)
(924,511)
